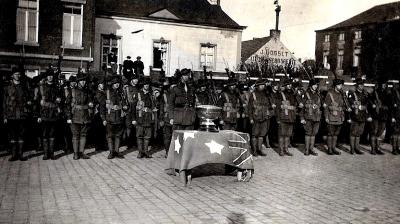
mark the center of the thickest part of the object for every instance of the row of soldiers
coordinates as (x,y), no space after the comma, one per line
(132,107)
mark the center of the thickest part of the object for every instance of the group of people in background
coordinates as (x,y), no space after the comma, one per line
(135,109)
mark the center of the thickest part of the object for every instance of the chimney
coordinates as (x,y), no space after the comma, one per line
(275,34)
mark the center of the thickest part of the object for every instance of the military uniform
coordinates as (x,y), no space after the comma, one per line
(378,108)
(244,98)
(310,117)
(260,108)
(334,112)
(274,97)
(49,112)
(144,119)
(100,99)
(15,108)
(286,116)
(113,112)
(358,116)
(395,121)
(182,106)
(230,104)
(165,118)
(80,116)
(131,92)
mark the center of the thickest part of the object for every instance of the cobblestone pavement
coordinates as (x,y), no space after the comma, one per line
(323,189)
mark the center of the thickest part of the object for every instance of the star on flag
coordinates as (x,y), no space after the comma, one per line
(187,135)
(214,147)
(177,145)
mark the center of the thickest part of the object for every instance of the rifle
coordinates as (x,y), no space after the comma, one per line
(210,84)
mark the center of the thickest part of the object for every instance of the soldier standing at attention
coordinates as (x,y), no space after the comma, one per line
(334,111)
(260,108)
(15,103)
(286,116)
(100,98)
(230,103)
(244,108)
(131,91)
(165,116)
(182,103)
(380,102)
(274,96)
(358,116)
(311,116)
(112,115)
(202,95)
(80,115)
(395,115)
(49,112)
(143,119)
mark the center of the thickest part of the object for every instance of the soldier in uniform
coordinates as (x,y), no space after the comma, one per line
(274,95)
(165,116)
(395,120)
(182,103)
(143,119)
(378,108)
(112,113)
(49,112)
(230,104)
(100,99)
(37,128)
(65,131)
(311,116)
(334,112)
(80,115)
(131,91)
(15,103)
(358,116)
(260,108)
(244,97)
(202,97)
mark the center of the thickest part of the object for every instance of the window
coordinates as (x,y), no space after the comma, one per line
(325,60)
(327,38)
(110,43)
(357,35)
(340,59)
(207,55)
(72,25)
(27,21)
(161,54)
(356,57)
(341,37)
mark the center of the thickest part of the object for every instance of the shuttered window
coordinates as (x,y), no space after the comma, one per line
(27,21)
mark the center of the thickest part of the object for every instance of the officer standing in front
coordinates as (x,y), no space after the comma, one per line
(182,103)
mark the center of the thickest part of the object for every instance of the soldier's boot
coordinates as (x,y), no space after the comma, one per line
(267,145)
(334,143)
(14,156)
(373,145)
(140,148)
(281,146)
(286,148)
(45,149)
(82,144)
(146,151)
(20,151)
(352,144)
(254,146)
(312,144)
(357,148)
(75,146)
(329,143)
(40,144)
(110,148)
(307,141)
(377,148)
(260,146)
(116,149)
(51,149)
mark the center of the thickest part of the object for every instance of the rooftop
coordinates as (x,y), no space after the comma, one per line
(250,47)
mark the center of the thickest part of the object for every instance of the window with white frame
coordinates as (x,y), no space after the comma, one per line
(327,37)
(110,43)
(72,25)
(340,59)
(341,37)
(357,35)
(27,21)
(207,55)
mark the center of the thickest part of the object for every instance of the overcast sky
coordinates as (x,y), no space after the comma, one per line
(298,21)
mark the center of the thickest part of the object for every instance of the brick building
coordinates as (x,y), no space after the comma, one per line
(40,30)
(367,44)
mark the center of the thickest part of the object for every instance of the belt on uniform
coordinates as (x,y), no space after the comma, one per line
(81,107)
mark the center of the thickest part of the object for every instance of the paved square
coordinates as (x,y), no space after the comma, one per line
(323,189)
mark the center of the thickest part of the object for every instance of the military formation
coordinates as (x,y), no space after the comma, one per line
(134,110)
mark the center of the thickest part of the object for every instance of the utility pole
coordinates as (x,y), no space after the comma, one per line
(277,10)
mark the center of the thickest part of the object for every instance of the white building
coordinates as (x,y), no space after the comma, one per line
(172,34)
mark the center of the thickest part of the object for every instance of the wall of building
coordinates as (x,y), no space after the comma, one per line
(49,38)
(184,40)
